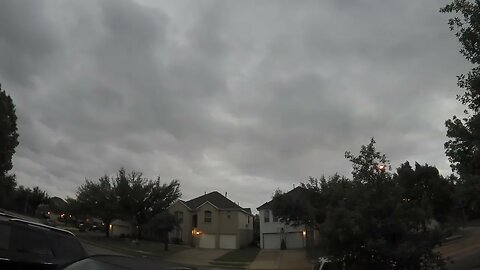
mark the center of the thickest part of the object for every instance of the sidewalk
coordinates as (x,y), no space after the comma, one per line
(281,259)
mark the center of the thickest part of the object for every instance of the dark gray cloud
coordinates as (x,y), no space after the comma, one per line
(242,97)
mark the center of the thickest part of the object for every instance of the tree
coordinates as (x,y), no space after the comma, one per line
(98,199)
(163,223)
(365,222)
(26,200)
(425,189)
(8,142)
(128,196)
(140,198)
(463,146)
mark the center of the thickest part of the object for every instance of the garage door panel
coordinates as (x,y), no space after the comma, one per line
(207,241)
(271,241)
(228,241)
(294,240)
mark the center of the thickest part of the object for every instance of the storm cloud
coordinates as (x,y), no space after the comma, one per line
(237,96)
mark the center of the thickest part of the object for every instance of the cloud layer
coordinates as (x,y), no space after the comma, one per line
(239,97)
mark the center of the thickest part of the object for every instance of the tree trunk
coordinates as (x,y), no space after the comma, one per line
(165,239)
(107,229)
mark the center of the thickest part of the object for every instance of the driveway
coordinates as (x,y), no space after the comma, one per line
(281,259)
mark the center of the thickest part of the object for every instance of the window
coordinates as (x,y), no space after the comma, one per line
(67,247)
(208,217)
(266,218)
(179,216)
(4,236)
(275,218)
(29,241)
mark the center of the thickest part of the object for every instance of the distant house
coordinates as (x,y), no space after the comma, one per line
(120,227)
(212,221)
(272,230)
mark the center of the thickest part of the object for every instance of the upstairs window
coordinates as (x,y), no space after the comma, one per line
(208,217)
(275,218)
(266,217)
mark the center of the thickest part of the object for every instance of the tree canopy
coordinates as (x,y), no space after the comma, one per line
(8,142)
(463,145)
(377,219)
(128,196)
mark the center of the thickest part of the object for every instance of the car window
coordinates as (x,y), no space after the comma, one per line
(26,240)
(4,236)
(66,247)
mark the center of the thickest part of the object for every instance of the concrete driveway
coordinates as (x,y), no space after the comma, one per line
(281,259)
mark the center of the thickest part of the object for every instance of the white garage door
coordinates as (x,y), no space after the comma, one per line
(228,241)
(294,240)
(271,241)
(207,241)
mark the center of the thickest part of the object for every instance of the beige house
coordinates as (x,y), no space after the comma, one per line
(212,221)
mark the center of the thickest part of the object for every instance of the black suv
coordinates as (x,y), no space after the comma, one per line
(29,245)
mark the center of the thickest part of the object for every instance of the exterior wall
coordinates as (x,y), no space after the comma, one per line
(185,225)
(228,222)
(205,227)
(245,221)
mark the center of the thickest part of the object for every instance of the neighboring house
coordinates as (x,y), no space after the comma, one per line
(212,221)
(120,227)
(272,230)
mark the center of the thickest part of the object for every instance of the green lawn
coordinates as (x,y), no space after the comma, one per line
(125,246)
(244,255)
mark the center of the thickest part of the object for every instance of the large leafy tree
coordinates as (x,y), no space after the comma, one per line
(368,221)
(140,198)
(98,199)
(8,142)
(424,189)
(463,146)
(128,196)
(27,199)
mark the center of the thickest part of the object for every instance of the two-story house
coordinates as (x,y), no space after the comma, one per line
(272,230)
(212,221)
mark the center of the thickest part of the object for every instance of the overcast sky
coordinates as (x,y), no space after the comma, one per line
(236,96)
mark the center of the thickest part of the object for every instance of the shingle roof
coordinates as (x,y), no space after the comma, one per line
(214,198)
(298,191)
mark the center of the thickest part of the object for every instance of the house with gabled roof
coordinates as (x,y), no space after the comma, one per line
(273,230)
(212,221)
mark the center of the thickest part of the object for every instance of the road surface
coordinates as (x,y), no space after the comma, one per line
(150,264)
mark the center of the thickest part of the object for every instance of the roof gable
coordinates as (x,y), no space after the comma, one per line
(296,192)
(181,203)
(216,199)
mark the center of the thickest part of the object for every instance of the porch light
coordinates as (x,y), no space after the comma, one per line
(196,232)
(110,227)
(304,233)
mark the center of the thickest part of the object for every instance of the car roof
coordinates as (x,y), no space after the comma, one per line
(18,220)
